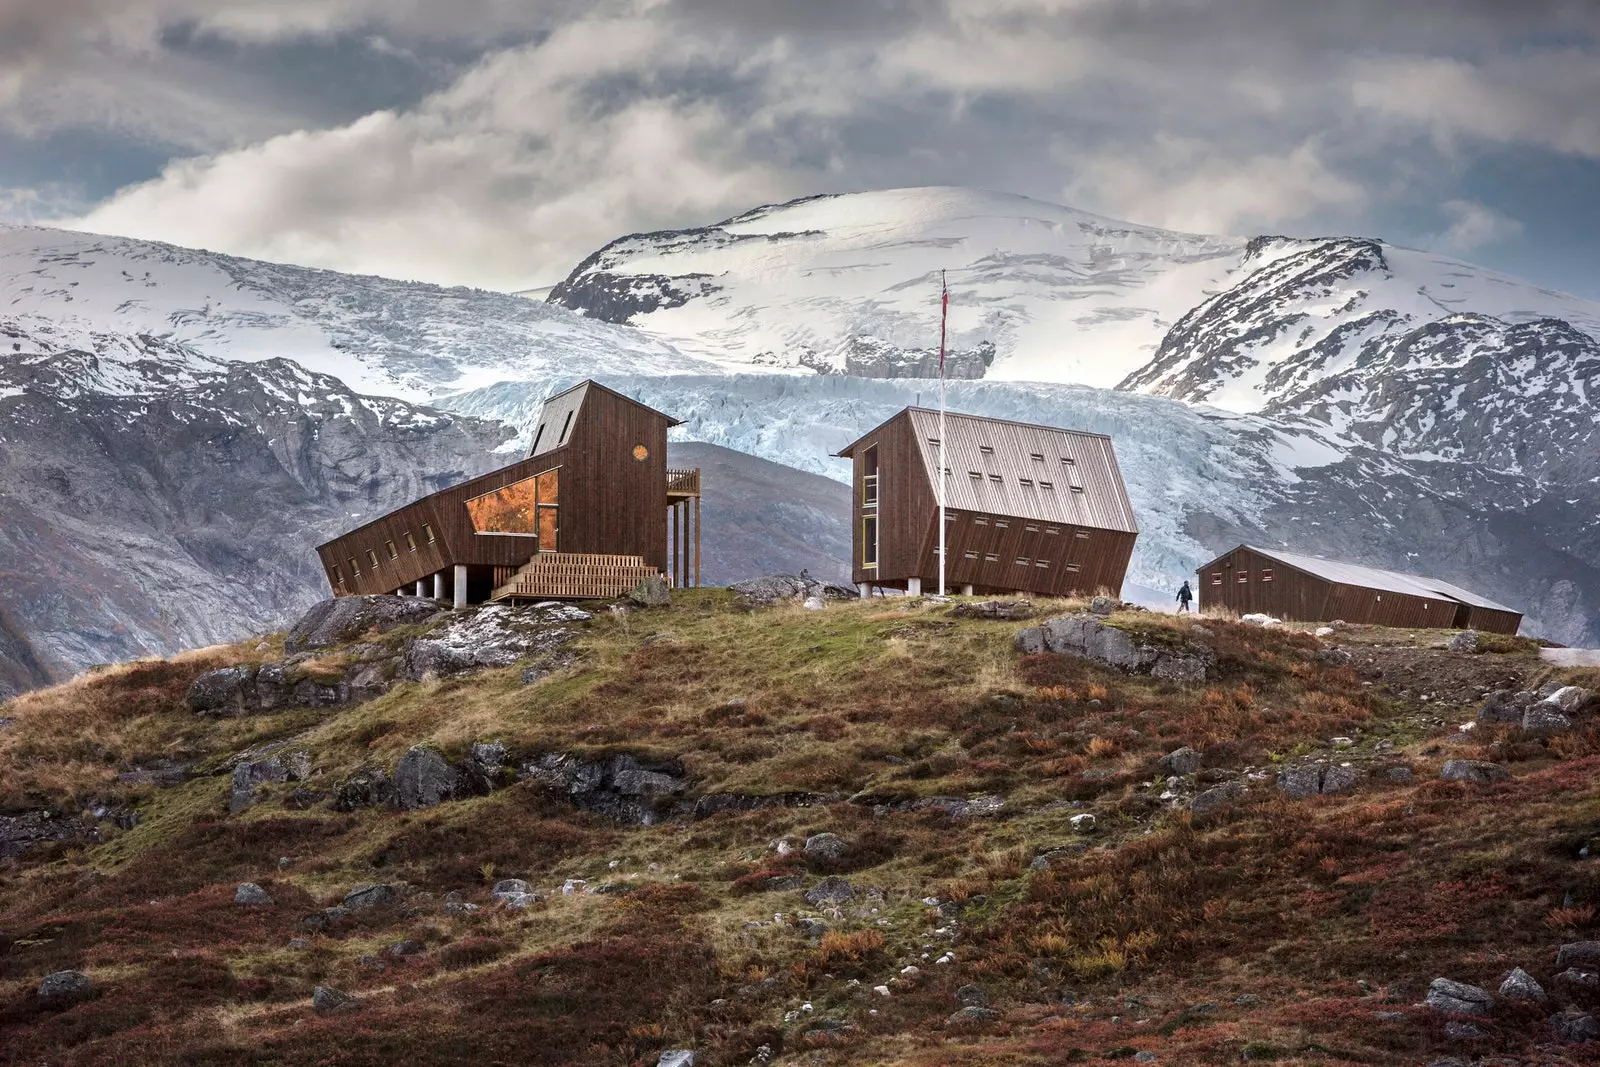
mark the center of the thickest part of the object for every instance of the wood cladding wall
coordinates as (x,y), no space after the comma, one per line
(611,503)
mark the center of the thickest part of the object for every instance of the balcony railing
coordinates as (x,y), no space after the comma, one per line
(683,483)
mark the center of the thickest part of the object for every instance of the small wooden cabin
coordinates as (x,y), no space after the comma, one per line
(591,512)
(1029,509)
(1310,589)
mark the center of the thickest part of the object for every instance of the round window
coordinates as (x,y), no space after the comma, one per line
(641,453)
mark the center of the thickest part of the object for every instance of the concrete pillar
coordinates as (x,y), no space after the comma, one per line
(966,590)
(913,587)
(460,586)
(438,585)
(420,590)
(865,590)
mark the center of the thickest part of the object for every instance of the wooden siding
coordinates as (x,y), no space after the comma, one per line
(1296,594)
(907,513)
(611,504)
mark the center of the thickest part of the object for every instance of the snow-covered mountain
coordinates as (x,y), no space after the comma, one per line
(378,336)
(1064,296)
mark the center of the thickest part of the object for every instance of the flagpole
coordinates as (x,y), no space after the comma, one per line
(944,482)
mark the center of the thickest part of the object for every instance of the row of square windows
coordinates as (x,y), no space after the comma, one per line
(1005,524)
(1021,561)
(389,547)
(1242,577)
(1037,457)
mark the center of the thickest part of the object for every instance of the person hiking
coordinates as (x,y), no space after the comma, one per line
(1185,595)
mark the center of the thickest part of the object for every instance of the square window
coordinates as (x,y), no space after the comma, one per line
(1031,528)
(976,476)
(1048,485)
(1041,563)
(1052,531)
(1077,489)
(1216,578)
(355,568)
(1038,457)
(427,533)
(1082,535)
(1266,575)
(980,520)
(934,441)
(394,553)
(992,557)
(411,542)
(972,555)
(1243,578)
(1002,524)
(987,450)
(995,478)
(338,575)
(1072,568)
(1023,561)
(373,556)
(1069,461)
(1026,483)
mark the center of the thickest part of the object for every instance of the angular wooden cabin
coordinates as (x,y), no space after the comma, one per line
(589,514)
(1309,589)
(1029,509)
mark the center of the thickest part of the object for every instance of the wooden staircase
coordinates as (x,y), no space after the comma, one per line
(571,576)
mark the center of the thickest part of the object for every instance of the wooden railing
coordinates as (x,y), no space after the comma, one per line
(571,576)
(683,483)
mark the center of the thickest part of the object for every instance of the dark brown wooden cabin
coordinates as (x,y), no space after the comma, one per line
(1308,589)
(591,512)
(1029,509)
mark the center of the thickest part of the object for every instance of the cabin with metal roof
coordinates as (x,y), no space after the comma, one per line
(1311,589)
(590,513)
(1029,509)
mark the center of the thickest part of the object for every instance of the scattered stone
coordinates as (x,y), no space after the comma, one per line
(1465,641)
(321,921)
(1086,637)
(65,987)
(248,777)
(1082,824)
(1575,1026)
(1461,1030)
(1398,773)
(408,947)
(1103,605)
(299,943)
(535,675)
(343,619)
(250,893)
(459,907)
(829,847)
(1326,631)
(1546,717)
(972,996)
(1458,998)
(652,593)
(1261,619)
(1581,954)
(1217,797)
(366,788)
(1504,706)
(1569,698)
(510,887)
(363,897)
(1180,763)
(20,834)
(972,1015)
(1336,656)
(326,999)
(1001,610)
(831,890)
(1520,985)
(1471,770)
(1344,742)
(815,603)
(423,778)
(1144,1057)
(678,1057)
(622,788)
(812,928)
(1549,689)
(1247,1000)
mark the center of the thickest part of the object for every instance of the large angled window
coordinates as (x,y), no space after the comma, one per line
(528,508)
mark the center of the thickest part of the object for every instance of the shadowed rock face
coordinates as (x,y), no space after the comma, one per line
(188,514)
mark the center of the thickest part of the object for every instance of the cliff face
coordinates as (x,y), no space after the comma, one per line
(156,500)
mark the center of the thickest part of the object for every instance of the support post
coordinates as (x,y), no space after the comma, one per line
(966,590)
(864,590)
(677,555)
(438,585)
(697,542)
(459,587)
(420,590)
(913,587)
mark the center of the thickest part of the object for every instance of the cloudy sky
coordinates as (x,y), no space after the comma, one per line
(497,142)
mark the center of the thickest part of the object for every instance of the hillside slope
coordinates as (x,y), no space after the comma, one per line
(855,835)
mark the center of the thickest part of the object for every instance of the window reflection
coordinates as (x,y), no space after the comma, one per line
(528,508)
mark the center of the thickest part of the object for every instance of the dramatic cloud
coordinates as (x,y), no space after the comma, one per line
(518,137)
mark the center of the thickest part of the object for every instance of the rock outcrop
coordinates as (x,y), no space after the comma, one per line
(782,588)
(1089,638)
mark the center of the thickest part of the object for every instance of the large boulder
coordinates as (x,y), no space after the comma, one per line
(221,692)
(831,890)
(363,897)
(366,788)
(1504,706)
(652,593)
(1584,954)
(1180,763)
(627,789)
(781,588)
(1086,637)
(250,894)
(826,847)
(1316,779)
(1471,770)
(492,637)
(1575,1026)
(343,619)
(1465,641)
(1458,998)
(1217,797)
(65,987)
(423,778)
(1520,985)
(250,774)
(1546,717)
(1002,610)
(1569,698)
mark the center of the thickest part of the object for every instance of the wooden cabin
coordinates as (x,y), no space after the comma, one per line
(1310,589)
(1029,509)
(590,513)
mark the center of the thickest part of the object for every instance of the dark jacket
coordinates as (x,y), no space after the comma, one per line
(1185,593)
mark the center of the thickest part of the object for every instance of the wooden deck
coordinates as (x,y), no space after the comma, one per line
(570,576)
(683,485)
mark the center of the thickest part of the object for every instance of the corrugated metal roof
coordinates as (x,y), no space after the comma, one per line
(1375,578)
(1019,469)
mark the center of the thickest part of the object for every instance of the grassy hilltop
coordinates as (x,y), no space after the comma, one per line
(976,921)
